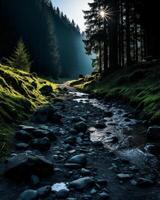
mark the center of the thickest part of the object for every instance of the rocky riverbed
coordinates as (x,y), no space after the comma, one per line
(82,148)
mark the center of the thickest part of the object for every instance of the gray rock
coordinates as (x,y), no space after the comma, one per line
(100,125)
(73,165)
(153,133)
(103,196)
(44,191)
(62,194)
(28,195)
(78,159)
(35,180)
(47,114)
(85,172)
(70,140)
(82,183)
(23,165)
(80,126)
(108,114)
(23,136)
(22,146)
(102,182)
(124,176)
(42,144)
(144,182)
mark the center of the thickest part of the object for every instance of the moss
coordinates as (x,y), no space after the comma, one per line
(18,99)
(138,86)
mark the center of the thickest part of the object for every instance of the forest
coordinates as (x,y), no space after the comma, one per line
(41,27)
(79,110)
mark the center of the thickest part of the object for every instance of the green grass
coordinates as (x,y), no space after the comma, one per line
(19,96)
(138,86)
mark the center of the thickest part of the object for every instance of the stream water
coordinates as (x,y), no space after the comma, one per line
(127,132)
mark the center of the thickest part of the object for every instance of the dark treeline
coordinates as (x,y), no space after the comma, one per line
(122,32)
(53,42)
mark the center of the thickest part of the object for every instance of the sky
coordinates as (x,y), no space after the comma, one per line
(73,10)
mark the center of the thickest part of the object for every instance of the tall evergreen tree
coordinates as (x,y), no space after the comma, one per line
(20,58)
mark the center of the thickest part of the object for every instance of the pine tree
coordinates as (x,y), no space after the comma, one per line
(20,58)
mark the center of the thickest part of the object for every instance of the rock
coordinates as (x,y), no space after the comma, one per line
(28,195)
(97,143)
(102,182)
(153,133)
(42,144)
(93,191)
(78,119)
(143,182)
(40,133)
(153,149)
(85,172)
(23,136)
(23,165)
(44,191)
(87,197)
(108,114)
(73,165)
(100,125)
(103,196)
(62,194)
(61,190)
(22,146)
(124,176)
(80,126)
(70,140)
(35,180)
(46,90)
(81,183)
(47,114)
(78,159)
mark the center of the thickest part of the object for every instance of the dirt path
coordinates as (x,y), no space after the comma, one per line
(89,153)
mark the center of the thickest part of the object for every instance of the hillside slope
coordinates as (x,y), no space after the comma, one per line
(137,85)
(20,94)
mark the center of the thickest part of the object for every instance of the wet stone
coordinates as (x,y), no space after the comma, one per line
(124,176)
(103,196)
(78,159)
(44,191)
(28,195)
(143,182)
(22,146)
(42,144)
(153,133)
(80,127)
(82,183)
(23,136)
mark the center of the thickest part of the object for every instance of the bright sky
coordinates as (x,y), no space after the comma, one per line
(73,10)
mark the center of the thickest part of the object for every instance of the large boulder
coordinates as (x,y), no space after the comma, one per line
(153,133)
(24,165)
(47,114)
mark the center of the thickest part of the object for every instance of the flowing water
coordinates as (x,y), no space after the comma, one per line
(123,135)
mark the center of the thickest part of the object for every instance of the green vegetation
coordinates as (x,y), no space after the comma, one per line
(20,58)
(136,85)
(20,94)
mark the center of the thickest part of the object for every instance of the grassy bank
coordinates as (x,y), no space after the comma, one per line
(20,94)
(136,85)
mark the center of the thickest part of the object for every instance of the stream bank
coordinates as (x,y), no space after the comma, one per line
(89,149)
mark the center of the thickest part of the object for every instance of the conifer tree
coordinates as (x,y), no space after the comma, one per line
(20,58)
